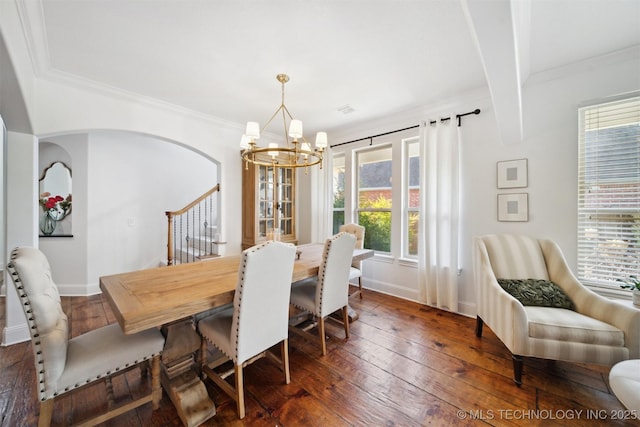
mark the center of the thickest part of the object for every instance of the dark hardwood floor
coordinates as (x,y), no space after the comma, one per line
(405,365)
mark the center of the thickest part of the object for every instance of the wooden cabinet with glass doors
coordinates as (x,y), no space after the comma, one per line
(267,204)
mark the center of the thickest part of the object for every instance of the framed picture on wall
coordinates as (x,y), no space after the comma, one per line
(513,207)
(512,173)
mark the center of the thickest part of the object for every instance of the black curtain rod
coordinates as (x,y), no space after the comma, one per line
(458,117)
(433,122)
(375,136)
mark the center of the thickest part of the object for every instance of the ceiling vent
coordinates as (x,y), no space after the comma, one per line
(346,109)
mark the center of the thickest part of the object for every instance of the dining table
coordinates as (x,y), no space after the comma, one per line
(169,297)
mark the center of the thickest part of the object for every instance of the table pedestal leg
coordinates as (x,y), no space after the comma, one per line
(180,381)
(353,314)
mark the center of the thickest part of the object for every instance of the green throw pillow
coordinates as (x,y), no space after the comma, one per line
(541,293)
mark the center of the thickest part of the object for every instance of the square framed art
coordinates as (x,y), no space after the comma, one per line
(513,207)
(512,173)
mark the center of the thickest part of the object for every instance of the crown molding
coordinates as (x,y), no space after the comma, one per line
(32,20)
(81,83)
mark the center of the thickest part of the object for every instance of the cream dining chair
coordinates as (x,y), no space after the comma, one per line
(355,273)
(257,320)
(329,291)
(65,364)
(567,321)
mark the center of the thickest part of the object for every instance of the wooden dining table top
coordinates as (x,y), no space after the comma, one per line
(153,297)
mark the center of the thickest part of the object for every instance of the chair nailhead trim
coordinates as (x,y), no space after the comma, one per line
(36,334)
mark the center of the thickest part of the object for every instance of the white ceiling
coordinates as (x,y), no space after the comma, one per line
(220,58)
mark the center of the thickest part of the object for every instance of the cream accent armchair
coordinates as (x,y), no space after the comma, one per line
(64,364)
(355,273)
(599,331)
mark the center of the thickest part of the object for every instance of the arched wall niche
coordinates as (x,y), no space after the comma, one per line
(53,161)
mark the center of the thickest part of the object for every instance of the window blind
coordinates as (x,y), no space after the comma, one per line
(609,192)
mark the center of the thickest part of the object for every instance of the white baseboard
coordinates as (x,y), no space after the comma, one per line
(464,308)
(78,290)
(391,289)
(15,334)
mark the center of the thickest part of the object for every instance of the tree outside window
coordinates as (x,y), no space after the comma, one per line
(411,198)
(375,197)
(338,192)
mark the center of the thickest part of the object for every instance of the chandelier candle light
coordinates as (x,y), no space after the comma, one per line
(295,154)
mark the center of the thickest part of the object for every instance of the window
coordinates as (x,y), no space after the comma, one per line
(338,192)
(609,192)
(411,198)
(377,184)
(374,196)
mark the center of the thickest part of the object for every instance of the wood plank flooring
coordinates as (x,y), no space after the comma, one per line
(405,365)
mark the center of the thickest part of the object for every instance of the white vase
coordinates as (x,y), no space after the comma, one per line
(636,297)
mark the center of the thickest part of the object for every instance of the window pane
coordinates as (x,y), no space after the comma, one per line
(413,174)
(378,226)
(338,182)
(374,178)
(338,220)
(609,192)
(412,233)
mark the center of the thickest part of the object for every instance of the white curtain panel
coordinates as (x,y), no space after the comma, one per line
(439,213)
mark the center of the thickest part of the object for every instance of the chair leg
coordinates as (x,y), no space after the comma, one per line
(345,320)
(479,323)
(156,388)
(360,286)
(285,360)
(239,391)
(323,343)
(517,369)
(46,412)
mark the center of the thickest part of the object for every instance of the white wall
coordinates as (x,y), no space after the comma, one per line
(22,220)
(68,255)
(550,103)
(123,183)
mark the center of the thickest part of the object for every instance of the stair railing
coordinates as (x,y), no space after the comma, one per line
(191,230)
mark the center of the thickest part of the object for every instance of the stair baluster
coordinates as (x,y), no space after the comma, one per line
(192,231)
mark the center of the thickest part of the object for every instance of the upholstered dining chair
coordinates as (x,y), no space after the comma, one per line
(531,300)
(355,272)
(329,291)
(257,320)
(65,364)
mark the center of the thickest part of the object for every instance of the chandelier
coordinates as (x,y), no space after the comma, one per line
(295,153)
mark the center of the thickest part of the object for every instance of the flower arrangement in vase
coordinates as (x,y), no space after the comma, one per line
(55,208)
